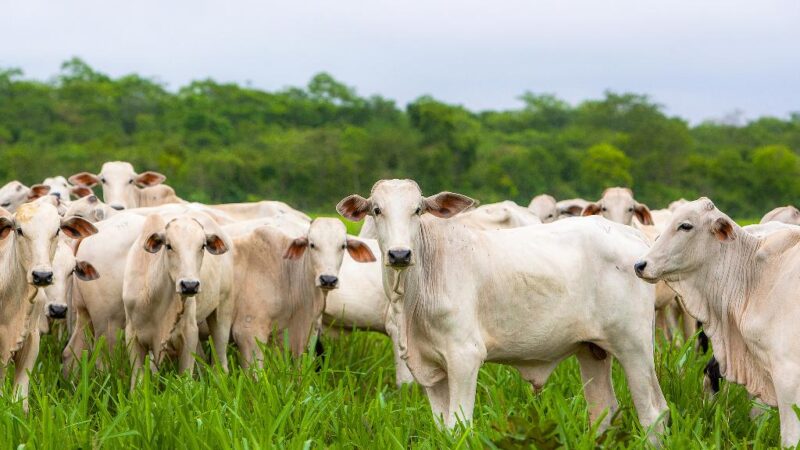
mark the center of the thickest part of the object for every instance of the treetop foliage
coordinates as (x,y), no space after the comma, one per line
(221,142)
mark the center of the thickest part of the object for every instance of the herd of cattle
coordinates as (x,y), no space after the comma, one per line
(453,284)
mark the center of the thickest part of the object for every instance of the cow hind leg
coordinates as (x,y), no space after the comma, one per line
(597,385)
(787,390)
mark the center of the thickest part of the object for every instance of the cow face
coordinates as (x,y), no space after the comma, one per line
(544,207)
(89,208)
(35,228)
(697,231)
(618,205)
(326,243)
(120,183)
(64,267)
(396,206)
(184,243)
(14,194)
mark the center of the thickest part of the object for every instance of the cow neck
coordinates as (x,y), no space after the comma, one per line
(718,295)
(17,305)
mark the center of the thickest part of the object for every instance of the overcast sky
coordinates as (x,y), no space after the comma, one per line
(700,59)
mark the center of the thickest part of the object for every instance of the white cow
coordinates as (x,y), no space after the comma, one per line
(170,285)
(743,288)
(14,194)
(786,214)
(529,297)
(545,207)
(124,188)
(282,282)
(28,242)
(571,207)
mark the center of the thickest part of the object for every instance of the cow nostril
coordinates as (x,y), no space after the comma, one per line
(118,207)
(41,278)
(639,266)
(399,257)
(328,281)
(57,311)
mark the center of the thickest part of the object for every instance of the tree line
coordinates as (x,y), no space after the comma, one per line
(311,146)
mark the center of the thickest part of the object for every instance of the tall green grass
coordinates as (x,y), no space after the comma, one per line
(350,401)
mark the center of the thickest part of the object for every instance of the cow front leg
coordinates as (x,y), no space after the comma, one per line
(402,374)
(77,342)
(637,362)
(219,326)
(597,385)
(24,360)
(462,372)
(136,353)
(787,390)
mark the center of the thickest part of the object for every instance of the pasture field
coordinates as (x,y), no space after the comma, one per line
(352,402)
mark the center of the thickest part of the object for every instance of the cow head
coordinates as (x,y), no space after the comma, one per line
(325,245)
(64,267)
(544,207)
(618,205)
(89,208)
(34,229)
(14,193)
(396,207)
(698,231)
(120,183)
(184,242)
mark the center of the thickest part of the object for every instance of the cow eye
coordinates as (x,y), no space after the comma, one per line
(376,211)
(549,216)
(630,209)
(418,211)
(19,232)
(685,226)
(58,231)
(103,180)
(169,247)
(130,181)
(344,246)
(603,208)
(6,204)
(312,245)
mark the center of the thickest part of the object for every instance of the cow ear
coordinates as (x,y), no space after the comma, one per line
(86,271)
(215,245)
(153,243)
(296,248)
(76,227)
(643,214)
(38,190)
(572,210)
(6,226)
(354,207)
(85,179)
(149,179)
(591,209)
(723,229)
(447,204)
(359,251)
(80,191)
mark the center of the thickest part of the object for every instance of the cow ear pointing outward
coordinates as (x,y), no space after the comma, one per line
(723,229)
(149,179)
(447,204)
(296,248)
(359,251)
(215,245)
(354,207)
(154,243)
(77,228)
(6,226)
(86,271)
(643,214)
(591,209)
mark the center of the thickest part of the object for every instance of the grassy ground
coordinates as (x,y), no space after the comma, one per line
(352,403)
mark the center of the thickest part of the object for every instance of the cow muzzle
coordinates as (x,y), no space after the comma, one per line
(188,287)
(42,277)
(56,311)
(399,257)
(117,206)
(640,268)
(328,282)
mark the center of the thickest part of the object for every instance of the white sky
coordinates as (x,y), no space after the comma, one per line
(700,58)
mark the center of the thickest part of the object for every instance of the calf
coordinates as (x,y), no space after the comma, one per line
(529,297)
(28,243)
(282,282)
(170,285)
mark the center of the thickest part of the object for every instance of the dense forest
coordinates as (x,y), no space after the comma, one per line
(311,146)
